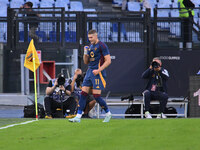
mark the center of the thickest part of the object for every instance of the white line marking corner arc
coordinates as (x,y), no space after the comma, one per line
(12,125)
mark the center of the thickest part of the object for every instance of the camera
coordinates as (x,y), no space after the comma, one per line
(129,97)
(155,64)
(61,79)
(79,79)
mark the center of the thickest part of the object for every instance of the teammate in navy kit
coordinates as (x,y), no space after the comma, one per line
(97,56)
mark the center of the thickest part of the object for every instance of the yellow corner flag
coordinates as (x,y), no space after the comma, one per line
(32,63)
(29,59)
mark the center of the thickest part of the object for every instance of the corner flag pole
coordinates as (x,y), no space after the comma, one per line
(36,108)
(32,63)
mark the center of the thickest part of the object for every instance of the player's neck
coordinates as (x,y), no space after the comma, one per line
(97,41)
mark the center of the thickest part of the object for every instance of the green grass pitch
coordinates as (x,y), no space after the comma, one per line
(92,134)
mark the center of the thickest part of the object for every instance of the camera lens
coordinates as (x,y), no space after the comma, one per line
(155,64)
(61,81)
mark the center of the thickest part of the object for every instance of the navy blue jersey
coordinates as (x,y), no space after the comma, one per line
(96,53)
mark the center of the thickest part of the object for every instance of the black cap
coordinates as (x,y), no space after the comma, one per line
(61,79)
(61,75)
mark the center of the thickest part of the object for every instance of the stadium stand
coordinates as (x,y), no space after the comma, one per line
(76,6)
(62,3)
(70,36)
(79,6)
(134,6)
(117,3)
(175,4)
(48,3)
(4,5)
(16,4)
(3,32)
(52,36)
(40,34)
(21,36)
(90,10)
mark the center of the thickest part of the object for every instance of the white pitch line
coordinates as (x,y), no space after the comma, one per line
(12,125)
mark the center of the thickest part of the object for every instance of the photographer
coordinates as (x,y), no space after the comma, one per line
(58,92)
(76,92)
(156,88)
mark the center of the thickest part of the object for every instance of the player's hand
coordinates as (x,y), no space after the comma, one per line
(95,72)
(86,48)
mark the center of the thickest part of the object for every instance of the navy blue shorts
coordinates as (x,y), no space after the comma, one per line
(97,82)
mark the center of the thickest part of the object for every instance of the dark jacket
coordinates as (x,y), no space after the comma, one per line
(33,20)
(151,75)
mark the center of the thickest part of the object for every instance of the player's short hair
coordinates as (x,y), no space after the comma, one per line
(30,4)
(92,32)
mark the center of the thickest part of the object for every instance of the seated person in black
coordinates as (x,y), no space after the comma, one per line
(156,88)
(58,97)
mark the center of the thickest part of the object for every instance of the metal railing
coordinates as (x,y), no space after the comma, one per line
(49,25)
(112,27)
(169,29)
(56,25)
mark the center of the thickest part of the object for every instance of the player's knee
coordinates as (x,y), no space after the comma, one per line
(98,98)
(84,93)
(96,95)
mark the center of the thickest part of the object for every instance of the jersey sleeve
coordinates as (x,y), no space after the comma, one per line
(105,50)
(88,52)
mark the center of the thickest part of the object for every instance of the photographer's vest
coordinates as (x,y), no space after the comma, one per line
(58,96)
(184,13)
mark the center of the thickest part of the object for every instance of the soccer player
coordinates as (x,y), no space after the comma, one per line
(97,56)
